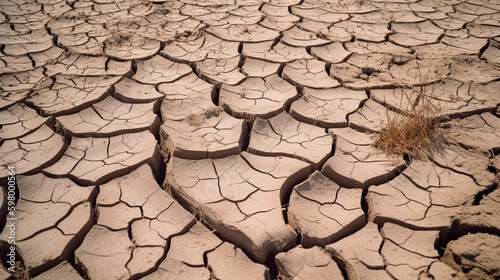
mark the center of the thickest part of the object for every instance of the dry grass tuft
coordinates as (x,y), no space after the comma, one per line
(416,131)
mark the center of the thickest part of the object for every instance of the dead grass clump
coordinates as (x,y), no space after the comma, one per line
(416,130)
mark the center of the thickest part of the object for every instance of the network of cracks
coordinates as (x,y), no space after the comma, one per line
(228,139)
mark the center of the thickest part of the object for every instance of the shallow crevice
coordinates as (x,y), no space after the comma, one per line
(457,230)
(273,268)
(82,272)
(442,241)
(482,194)
(364,203)
(284,212)
(279,72)
(155,267)
(214,94)
(342,266)
(327,68)
(483,49)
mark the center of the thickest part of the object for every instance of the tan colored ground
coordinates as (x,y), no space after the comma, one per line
(232,139)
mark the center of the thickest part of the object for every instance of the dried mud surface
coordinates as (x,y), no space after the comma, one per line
(231,139)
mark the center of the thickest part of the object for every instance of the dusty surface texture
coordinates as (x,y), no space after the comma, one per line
(232,139)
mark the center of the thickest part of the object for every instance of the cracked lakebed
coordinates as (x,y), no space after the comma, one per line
(230,139)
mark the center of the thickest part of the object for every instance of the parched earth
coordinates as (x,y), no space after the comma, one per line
(232,139)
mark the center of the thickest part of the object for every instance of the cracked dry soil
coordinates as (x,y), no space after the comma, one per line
(232,139)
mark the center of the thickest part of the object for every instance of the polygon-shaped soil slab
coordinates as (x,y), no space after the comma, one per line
(228,261)
(217,71)
(127,47)
(371,32)
(18,44)
(450,97)
(128,90)
(117,217)
(202,47)
(310,73)
(282,135)
(312,263)
(414,72)
(13,64)
(337,34)
(371,117)
(483,30)
(425,196)
(415,34)
(356,163)
(364,71)
(440,50)
(104,246)
(150,215)
(323,212)
(70,94)
(278,53)
(327,107)
(351,7)
(200,254)
(190,95)
(109,118)
(462,40)
(19,120)
(359,254)
(318,14)
(475,254)
(211,133)
(416,241)
(243,33)
(333,53)
(471,162)
(301,38)
(190,248)
(259,68)
(47,56)
(257,97)
(474,8)
(83,65)
(471,69)
(492,53)
(51,246)
(479,132)
(57,213)
(279,23)
(241,197)
(82,43)
(160,70)
(274,10)
(406,252)
(397,99)
(313,26)
(98,160)
(440,270)
(382,16)
(454,20)
(9,98)
(21,81)
(30,153)
(173,269)
(364,48)
(441,181)
(45,202)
